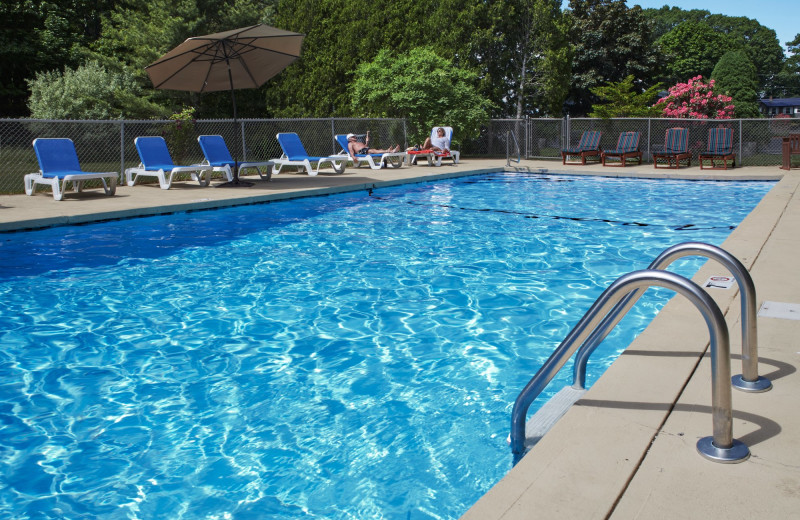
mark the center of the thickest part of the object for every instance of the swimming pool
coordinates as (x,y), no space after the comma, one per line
(350,356)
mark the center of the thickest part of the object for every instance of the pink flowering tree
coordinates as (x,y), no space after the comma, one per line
(695,100)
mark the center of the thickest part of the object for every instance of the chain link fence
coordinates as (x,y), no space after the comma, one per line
(109,145)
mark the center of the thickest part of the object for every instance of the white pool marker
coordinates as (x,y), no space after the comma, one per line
(786,311)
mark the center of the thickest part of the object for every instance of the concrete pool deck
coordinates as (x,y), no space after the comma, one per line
(627,448)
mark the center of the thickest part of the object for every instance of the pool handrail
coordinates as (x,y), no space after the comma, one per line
(721,446)
(748,380)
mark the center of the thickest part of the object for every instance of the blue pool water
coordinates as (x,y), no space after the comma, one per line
(343,357)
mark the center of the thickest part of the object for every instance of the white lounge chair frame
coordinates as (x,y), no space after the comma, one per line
(337,162)
(388,159)
(228,171)
(200,173)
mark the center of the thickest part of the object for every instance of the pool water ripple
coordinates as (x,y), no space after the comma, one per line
(344,357)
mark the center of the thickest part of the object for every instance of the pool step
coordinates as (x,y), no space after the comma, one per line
(549,414)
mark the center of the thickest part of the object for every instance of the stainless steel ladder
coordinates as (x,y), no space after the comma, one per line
(612,306)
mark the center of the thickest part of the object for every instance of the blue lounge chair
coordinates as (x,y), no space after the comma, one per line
(219,157)
(627,148)
(676,149)
(719,147)
(588,146)
(58,165)
(376,161)
(294,154)
(157,162)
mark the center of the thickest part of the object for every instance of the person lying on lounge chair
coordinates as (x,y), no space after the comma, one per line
(440,143)
(355,147)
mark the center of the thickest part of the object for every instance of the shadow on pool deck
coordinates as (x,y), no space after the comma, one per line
(627,449)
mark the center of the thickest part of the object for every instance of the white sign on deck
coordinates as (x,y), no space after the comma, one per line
(719,282)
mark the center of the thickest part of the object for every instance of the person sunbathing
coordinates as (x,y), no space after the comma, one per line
(440,143)
(355,147)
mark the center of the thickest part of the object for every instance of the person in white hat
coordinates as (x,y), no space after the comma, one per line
(354,147)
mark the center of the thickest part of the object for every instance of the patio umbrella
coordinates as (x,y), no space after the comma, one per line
(230,60)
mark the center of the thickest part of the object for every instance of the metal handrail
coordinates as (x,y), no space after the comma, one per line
(721,446)
(748,380)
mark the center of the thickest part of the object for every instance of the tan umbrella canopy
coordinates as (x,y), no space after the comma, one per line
(230,60)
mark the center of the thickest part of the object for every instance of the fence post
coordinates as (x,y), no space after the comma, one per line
(649,121)
(528,137)
(741,157)
(244,146)
(332,139)
(121,151)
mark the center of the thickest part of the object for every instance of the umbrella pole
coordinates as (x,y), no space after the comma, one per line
(235,181)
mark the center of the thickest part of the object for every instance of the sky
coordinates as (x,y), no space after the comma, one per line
(780,15)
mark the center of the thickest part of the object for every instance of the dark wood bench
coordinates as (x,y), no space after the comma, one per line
(790,147)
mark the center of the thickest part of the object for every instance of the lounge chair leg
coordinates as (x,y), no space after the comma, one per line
(58,193)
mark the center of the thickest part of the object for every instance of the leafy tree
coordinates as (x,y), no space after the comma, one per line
(787,82)
(622,100)
(692,49)
(88,92)
(759,43)
(735,76)
(421,86)
(695,99)
(666,18)
(698,45)
(338,40)
(41,36)
(610,42)
(535,58)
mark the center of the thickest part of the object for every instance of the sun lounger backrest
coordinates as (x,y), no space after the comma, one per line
(720,141)
(592,139)
(677,140)
(292,146)
(448,132)
(56,155)
(215,150)
(154,153)
(342,140)
(628,142)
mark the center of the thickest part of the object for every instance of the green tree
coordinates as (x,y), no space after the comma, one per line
(534,66)
(692,49)
(423,87)
(41,36)
(88,92)
(621,99)
(787,82)
(759,43)
(666,18)
(735,76)
(697,46)
(338,40)
(610,43)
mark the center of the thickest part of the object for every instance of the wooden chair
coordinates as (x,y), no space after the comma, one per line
(718,148)
(789,147)
(588,146)
(676,149)
(627,148)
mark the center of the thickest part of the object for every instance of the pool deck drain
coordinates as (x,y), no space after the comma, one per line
(626,449)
